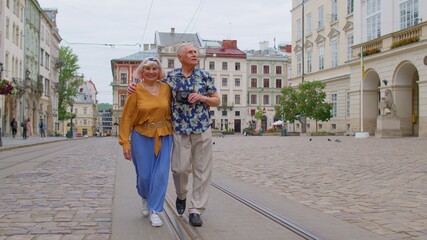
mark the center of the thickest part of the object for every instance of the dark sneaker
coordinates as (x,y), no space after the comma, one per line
(195,220)
(180,206)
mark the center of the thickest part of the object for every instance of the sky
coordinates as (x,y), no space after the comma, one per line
(101,30)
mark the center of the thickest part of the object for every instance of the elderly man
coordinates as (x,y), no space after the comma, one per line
(193,92)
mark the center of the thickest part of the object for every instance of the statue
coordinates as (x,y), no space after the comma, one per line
(387,103)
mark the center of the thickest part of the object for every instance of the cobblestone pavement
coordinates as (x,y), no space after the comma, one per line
(377,184)
(66,198)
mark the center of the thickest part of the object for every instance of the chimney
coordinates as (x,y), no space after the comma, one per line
(172,30)
(146,46)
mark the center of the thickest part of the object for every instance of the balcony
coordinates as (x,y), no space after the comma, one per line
(393,40)
(225,106)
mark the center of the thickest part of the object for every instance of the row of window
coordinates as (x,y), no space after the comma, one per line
(18,9)
(17,34)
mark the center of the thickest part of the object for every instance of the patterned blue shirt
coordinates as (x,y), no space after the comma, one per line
(190,118)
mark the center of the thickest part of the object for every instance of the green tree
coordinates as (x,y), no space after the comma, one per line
(308,100)
(68,81)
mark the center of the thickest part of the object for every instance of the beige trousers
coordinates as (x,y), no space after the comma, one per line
(193,153)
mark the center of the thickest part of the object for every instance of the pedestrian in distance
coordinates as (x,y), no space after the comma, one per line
(28,122)
(146,137)
(14,127)
(193,93)
(24,128)
(42,128)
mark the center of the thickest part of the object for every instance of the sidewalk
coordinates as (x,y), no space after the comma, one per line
(11,143)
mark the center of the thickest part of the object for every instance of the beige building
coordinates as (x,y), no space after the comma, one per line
(327,43)
(84,106)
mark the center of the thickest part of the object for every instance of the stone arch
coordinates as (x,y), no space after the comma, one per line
(370,100)
(406,91)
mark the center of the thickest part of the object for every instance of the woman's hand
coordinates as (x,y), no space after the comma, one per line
(127,154)
(131,88)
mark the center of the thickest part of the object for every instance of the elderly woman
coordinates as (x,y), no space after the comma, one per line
(146,136)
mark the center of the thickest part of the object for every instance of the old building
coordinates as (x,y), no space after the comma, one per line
(328,38)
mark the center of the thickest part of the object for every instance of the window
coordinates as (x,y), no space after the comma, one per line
(122,100)
(299,64)
(84,123)
(334,126)
(321,54)
(212,113)
(224,99)
(84,111)
(46,87)
(266,69)
(299,32)
(123,78)
(308,125)
(373,19)
(334,104)
(348,105)
(7,28)
(309,60)
(350,7)
(320,126)
(237,113)
(277,99)
(334,52)
(278,69)
(254,83)
(237,82)
(409,14)
(224,113)
(224,65)
(334,11)
(211,65)
(350,40)
(320,17)
(224,82)
(278,83)
(237,99)
(237,66)
(266,99)
(254,69)
(171,63)
(41,56)
(252,112)
(47,60)
(253,99)
(308,24)
(266,82)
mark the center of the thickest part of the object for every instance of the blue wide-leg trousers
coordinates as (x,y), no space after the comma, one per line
(152,172)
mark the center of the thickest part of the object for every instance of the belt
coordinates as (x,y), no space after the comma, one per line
(154,125)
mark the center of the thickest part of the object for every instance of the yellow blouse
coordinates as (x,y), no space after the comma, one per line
(149,115)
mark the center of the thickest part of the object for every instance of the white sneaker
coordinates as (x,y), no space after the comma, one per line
(155,220)
(144,208)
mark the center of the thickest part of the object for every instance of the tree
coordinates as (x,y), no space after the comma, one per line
(308,101)
(68,82)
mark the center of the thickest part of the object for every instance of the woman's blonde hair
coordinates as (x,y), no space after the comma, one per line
(147,62)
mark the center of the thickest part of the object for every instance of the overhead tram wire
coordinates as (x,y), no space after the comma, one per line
(192,18)
(146,23)
(112,45)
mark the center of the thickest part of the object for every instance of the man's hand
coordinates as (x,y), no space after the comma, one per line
(127,154)
(131,88)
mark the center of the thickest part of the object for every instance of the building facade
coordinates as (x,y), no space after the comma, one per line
(328,38)
(230,70)
(86,113)
(29,55)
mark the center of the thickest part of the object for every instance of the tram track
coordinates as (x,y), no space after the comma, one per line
(270,214)
(181,229)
